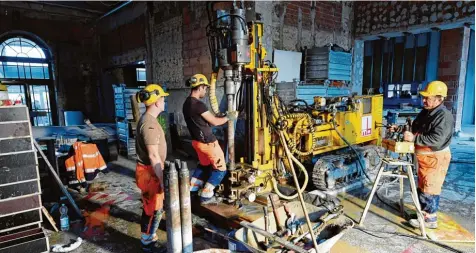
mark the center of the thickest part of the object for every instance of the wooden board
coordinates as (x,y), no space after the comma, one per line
(13,113)
(398,146)
(14,130)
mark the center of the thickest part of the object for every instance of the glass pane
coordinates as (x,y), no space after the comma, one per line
(140,74)
(37,72)
(20,47)
(16,93)
(40,105)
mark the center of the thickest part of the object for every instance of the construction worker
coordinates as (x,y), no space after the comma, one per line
(151,150)
(431,132)
(211,168)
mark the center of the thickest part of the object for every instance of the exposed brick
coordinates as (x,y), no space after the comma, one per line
(194,61)
(188,71)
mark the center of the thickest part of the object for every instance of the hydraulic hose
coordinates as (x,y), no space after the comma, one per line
(306,180)
(212,95)
(353,149)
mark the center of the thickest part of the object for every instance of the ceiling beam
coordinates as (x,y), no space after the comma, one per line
(56,10)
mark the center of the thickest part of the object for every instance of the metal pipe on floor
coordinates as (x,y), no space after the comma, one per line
(172,207)
(185,208)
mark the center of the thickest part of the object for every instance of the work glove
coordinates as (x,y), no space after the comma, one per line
(392,128)
(232,115)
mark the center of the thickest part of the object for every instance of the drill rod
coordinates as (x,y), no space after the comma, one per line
(296,182)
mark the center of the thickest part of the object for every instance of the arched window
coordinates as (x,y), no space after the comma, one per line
(25,67)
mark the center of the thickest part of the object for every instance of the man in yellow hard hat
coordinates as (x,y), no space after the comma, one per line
(431,132)
(151,150)
(212,167)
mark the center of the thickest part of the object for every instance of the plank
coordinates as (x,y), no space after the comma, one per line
(14,129)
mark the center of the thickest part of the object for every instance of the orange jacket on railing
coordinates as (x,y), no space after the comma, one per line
(85,163)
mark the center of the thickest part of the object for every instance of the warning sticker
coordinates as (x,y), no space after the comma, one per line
(366,129)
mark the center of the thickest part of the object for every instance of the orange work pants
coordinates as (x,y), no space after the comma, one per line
(432,170)
(210,154)
(148,183)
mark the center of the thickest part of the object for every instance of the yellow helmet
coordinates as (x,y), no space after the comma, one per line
(150,94)
(197,80)
(435,88)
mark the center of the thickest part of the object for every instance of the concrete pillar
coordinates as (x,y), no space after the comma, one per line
(463,63)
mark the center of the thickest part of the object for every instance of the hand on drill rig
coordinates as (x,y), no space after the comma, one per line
(408,136)
(232,115)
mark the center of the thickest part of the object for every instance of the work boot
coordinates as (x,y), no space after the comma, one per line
(431,221)
(152,248)
(209,201)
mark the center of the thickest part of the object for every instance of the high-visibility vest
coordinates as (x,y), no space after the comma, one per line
(85,163)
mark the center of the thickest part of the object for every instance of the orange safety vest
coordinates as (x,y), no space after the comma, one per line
(85,163)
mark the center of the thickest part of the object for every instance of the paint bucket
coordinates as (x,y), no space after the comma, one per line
(234,245)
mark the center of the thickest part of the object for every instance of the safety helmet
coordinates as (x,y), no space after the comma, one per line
(435,88)
(150,94)
(197,80)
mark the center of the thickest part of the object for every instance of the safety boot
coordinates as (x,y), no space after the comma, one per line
(209,201)
(152,248)
(431,221)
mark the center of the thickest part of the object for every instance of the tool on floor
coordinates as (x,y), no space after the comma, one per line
(58,180)
(402,174)
(296,182)
(272,237)
(266,223)
(280,226)
(172,207)
(50,219)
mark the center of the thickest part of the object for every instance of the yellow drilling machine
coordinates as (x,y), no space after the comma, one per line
(332,143)
(326,147)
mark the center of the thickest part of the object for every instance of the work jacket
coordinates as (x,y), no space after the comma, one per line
(84,163)
(433,129)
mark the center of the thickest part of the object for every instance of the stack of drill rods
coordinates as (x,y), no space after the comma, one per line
(178,208)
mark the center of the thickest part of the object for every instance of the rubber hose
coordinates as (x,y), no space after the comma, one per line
(355,151)
(212,95)
(306,179)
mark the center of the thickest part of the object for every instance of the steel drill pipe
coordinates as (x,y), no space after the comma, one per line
(172,205)
(185,208)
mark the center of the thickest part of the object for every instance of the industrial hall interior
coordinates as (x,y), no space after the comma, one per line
(237,126)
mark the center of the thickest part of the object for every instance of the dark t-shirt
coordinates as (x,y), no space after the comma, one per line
(198,127)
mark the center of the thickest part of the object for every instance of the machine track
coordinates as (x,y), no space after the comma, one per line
(370,153)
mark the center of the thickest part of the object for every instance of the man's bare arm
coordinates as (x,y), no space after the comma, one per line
(156,162)
(214,120)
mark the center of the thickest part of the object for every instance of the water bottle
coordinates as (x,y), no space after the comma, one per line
(64,219)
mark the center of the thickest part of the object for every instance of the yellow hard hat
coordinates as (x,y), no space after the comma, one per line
(197,80)
(150,94)
(435,88)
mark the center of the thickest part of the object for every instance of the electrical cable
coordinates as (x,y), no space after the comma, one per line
(442,245)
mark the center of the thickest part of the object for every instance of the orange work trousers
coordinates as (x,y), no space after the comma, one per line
(148,183)
(432,169)
(210,154)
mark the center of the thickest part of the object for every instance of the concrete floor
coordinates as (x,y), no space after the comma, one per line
(117,229)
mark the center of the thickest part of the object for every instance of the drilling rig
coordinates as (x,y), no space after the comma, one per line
(333,141)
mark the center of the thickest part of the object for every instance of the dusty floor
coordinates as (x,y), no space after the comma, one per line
(113,211)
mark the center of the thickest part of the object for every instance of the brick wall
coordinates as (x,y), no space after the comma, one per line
(327,14)
(196,53)
(449,65)
(294,25)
